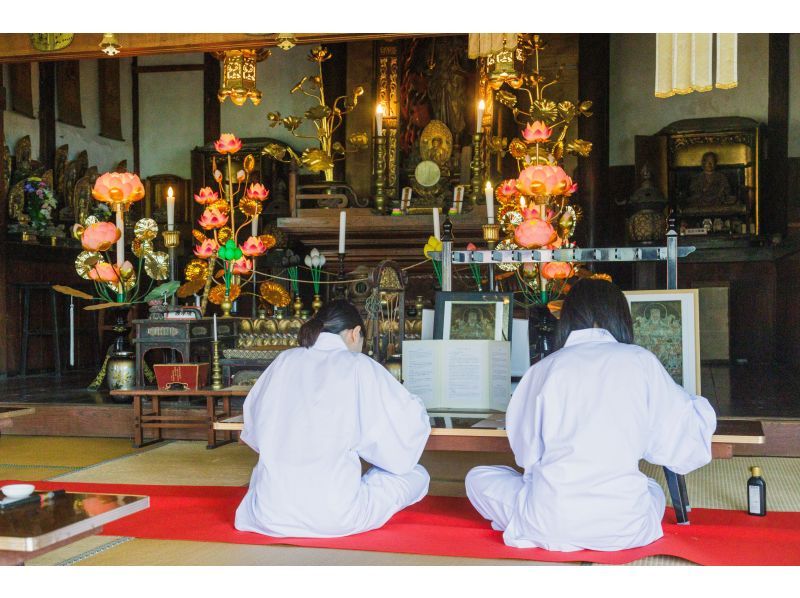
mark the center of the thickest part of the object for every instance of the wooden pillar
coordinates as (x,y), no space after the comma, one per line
(47,114)
(592,173)
(212,123)
(135,113)
(3,244)
(774,204)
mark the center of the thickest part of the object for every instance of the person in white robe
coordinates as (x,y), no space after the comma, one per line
(578,423)
(311,416)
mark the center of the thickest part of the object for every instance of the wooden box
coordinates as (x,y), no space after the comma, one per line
(181,376)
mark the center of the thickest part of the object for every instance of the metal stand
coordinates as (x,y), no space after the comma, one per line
(491,234)
(340,289)
(380,158)
(447,254)
(216,369)
(476,168)
(171,241)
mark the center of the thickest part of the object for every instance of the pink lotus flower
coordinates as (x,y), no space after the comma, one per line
(253,247)
(471,247)
(545,179)
(212,218)
(118,187)
(218,176)
(257,191)
(228,144)
(556,270)
(534,233)
(206,249)
(537,132)
(104,272)
(508,188)
(242,266)
(99,236)
(206,196)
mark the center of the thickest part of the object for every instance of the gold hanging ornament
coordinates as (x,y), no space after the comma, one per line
(239,75)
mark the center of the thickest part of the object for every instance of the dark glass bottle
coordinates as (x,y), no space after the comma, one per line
(756,493)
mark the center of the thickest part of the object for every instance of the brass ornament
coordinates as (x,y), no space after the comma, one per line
(146,229)
(269,241)
(196,269)
(239,75)
(224,234)
(190,288)
(156,264)
(274,293)
(50,42)
(121,287)
(436,142)
(141,247)
(217,294)
(250,207)
(198,236)
(85,262)
(505,245)
(90,220)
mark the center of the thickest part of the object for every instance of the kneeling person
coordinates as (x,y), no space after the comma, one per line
(311,415)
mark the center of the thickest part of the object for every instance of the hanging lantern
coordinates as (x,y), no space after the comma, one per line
(239,75)
(286,41)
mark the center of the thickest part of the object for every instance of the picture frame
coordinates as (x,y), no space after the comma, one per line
(667,323)
(473,316)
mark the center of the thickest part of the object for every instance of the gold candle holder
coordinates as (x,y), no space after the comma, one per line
(476,168)
(216,369)
(171,238)
(380,158)
(491,234)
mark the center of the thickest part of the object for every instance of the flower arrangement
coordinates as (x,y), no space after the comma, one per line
(218,239)
(315,260)
(326,119)
(39,203)
(474,268)
(434,245)
(117,282)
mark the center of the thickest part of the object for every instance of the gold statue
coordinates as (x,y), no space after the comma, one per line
(710,187)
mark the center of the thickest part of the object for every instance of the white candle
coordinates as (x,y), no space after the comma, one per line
(121,241)
(489,203)
(71,332)
(197,300)
(215,327)
(170,210)
(436,232)
(254,226)
(342,226)
(379,120)
(481,108)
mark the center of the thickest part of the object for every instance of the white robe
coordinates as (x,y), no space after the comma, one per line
(578,424)
(310,416)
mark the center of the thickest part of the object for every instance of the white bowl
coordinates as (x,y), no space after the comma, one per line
(18,490)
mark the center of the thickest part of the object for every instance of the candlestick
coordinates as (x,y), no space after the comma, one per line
(215,327)
(254,226)
(71,332)
(489,203)
(342,226)
(476,167)
(479,124)
(379,120)
(216,369)
(170,210)
(380,158)
(436,229)
(340,289)
(491,234)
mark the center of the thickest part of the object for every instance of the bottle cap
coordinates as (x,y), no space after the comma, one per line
(756,471)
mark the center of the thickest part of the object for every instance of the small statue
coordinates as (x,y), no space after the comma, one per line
(646,223)
(710,187)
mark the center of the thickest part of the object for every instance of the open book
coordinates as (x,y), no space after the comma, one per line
(459,374)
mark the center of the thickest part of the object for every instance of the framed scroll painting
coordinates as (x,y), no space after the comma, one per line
(667,324)
(473,316)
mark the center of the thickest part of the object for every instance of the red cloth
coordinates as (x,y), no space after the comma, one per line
(447,526)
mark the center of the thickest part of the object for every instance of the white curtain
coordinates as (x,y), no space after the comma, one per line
(483,44)
(684,62)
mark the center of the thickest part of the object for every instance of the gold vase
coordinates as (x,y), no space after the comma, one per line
(297,306)
(316,303)
(226,306)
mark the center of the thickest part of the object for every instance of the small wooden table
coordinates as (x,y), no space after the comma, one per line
(33,529)
(155,421)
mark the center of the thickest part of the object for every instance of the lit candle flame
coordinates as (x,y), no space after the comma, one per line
(169,192)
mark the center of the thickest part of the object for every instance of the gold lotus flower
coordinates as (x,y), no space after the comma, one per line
(546,109)
(141,247)
(580,147)
(318,54)
(274,294)
(156,264)
(198,236)
(221,205)
(507,98)
(316,160)
(517,148)
(567,110)
(190,288)
(125,285)
(217,294)
(291,122)
(196,270)
(85,262)
(318,112)
(268,240)
(585,108)
(250,207)
(146,229)
(224,234)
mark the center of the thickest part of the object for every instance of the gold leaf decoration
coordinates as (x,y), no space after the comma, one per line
(276,150)
(196,270)
(249,163)
(146,229)
(359,140)
(250,207)
(217,294)
(316,160)
(546,109)
(517,148)
(268,240)
(198,236)
(156,264)
(567,110)
(108,305)
(190,288)
(602,276)
(580,147)
(221,205)
(274,293)
(85,262)
(72,292)
(141,248)
(291,122)
(507,98)
(224,234)
(318,112)
(585,108)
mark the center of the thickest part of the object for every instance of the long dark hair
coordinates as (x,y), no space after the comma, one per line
(335,316)
(595,302)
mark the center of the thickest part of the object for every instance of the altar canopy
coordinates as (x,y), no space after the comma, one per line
(685,62)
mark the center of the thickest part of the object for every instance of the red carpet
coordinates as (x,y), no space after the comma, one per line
(450,527)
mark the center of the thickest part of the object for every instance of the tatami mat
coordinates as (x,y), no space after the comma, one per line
(31,473)
(57,451)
